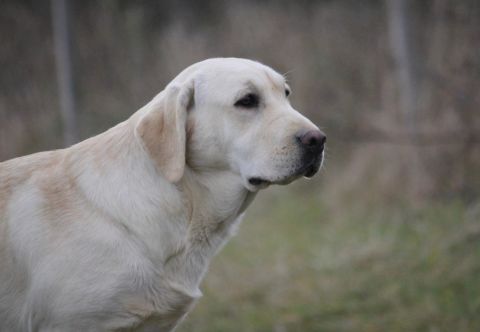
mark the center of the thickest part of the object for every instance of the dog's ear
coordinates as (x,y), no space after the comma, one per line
(162,129)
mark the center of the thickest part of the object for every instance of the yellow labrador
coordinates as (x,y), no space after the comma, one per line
(117,231)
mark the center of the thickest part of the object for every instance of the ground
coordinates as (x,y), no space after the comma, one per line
(302,264)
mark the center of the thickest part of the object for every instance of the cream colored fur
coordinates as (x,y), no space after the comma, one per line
(116,232)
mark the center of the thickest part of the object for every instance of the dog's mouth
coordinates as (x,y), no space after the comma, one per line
(258,181)
(308,170)
(312,169)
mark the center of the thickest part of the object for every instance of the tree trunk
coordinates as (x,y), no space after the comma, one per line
(63,56)
(401,51)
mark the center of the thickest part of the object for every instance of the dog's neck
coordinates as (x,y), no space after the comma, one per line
(215,202)
(182,225)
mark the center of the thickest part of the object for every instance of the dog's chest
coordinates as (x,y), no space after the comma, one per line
(168,295)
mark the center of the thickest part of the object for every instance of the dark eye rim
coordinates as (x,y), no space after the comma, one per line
(287,92)
(250,100)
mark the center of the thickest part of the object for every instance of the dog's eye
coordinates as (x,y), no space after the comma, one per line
(248,101)
(287,92)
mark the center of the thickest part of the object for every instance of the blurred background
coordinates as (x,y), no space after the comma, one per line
(385,238)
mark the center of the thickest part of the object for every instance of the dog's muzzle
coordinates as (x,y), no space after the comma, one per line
(312,144)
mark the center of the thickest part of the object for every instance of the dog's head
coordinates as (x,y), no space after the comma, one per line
(234,115)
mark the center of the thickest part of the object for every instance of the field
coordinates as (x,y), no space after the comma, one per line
(306,265)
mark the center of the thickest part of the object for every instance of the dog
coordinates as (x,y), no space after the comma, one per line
(116,232)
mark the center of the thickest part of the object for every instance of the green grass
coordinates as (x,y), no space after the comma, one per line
(299,265)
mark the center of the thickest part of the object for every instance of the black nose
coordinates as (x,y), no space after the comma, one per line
(313,140)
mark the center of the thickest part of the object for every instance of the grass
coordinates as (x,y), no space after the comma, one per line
(300,265)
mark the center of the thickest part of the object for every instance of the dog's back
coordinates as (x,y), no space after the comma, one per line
(17,178)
